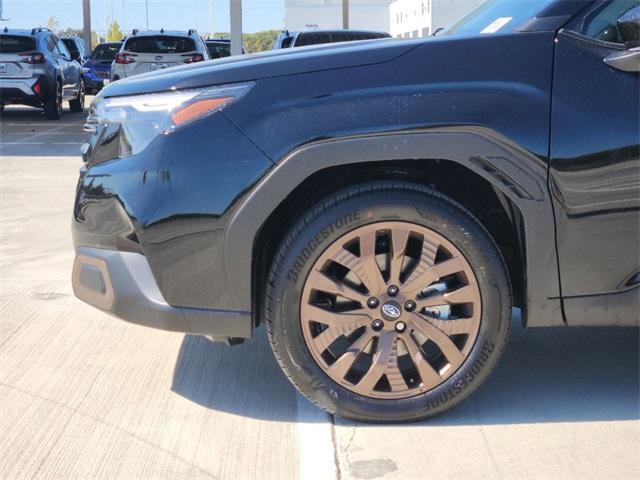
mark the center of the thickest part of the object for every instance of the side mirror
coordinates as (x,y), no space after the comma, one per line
(629,27)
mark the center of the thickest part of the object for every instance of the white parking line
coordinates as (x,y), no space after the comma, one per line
(41,133)
(315,440)
(20,143)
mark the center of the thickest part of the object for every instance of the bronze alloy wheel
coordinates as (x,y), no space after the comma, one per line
(390,310)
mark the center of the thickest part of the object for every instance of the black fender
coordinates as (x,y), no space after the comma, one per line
(519,175)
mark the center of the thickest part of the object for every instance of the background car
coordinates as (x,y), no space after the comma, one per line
(76,47)
(98,67)
(219,47)
(289,39)
(36,69)
(149,51)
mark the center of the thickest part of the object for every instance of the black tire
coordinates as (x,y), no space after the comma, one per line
(53,105)
(77,104)
(368,204)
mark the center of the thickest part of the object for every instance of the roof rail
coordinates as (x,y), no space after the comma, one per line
(6,29)
(162,31)
(192,31)
(134,32)
(40,29)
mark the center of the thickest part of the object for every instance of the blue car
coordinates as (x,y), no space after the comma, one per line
(98,67)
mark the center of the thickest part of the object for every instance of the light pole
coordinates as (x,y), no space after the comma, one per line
(86,17)
(212,30)
(2,19)
(236,27)
(146,5)
(345,14)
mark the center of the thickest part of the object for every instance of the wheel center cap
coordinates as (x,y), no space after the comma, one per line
(391,311)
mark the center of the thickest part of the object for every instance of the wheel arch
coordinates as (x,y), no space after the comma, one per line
(508,179)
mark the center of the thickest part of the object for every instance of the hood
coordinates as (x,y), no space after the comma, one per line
(264,65)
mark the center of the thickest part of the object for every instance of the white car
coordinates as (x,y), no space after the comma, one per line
(149,51)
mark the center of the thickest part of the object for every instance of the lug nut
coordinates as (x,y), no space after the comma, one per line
(401,327)
(410,306)
(377,325)
(373,302)
(393,290)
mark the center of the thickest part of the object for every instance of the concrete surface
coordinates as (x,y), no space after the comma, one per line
(83,395)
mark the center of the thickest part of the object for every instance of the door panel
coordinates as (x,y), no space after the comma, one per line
(595,177)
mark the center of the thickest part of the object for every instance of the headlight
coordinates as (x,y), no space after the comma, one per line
(136,120)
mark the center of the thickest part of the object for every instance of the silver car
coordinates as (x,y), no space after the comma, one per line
(36,69)
(149,51)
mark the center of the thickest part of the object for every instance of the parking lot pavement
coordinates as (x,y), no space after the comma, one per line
(83,395)
(25,131)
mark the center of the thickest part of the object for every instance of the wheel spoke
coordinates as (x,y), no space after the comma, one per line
(456,326)
(365,267)
(466,294)
(437,336)
(420,281)
(325,284)
(428,375)
(343,364)
(384,356)
(399,238)
(338,324)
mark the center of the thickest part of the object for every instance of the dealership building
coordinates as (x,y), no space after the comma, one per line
(327,14)
(420,18)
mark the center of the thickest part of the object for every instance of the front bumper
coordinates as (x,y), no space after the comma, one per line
(154,222)
(122,284)
(95,82)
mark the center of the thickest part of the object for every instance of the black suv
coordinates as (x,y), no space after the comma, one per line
(380,206)
(37,69)
(288,39)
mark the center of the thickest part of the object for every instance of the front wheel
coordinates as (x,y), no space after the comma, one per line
(388,302)
(77,104)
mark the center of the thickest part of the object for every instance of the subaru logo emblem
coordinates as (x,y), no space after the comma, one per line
(391,311)
(159,57)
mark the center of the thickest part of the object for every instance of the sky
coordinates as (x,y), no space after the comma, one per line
(169,14)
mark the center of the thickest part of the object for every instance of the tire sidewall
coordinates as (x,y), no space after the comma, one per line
(424,208)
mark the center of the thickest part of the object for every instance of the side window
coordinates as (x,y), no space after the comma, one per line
(62,48)
(602,24)
(51,44)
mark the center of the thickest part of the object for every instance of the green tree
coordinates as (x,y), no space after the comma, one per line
(260,41)
(255,42)
(114,34)
(75,32)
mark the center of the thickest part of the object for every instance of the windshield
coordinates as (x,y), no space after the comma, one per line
(160,44)
(498,16)
(219,49)
(16,44)
(106,51)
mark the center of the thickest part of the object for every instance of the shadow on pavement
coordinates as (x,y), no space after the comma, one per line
(243,380)
(545,375)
